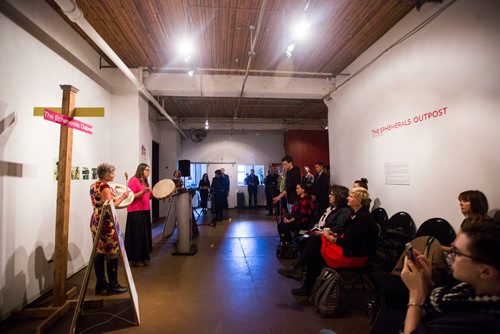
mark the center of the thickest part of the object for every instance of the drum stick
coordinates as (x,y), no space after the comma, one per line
(126,182)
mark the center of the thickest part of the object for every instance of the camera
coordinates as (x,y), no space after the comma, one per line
(409,251)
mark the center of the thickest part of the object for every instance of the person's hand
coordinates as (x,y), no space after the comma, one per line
(313,198)
(426,265)
(276,199)
(415,277)
(328,234)
(146,189)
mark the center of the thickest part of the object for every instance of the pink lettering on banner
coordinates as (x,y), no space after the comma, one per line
(410,121)
(58,118)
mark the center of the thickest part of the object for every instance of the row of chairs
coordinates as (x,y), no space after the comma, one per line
(396,231)
(400,228)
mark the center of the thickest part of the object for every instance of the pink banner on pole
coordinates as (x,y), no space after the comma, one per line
(58,118)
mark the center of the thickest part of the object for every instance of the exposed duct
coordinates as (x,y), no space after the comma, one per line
(233,70)
(251,54)
(71,10)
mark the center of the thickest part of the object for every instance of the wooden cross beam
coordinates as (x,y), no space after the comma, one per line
(63,196)
(61,303)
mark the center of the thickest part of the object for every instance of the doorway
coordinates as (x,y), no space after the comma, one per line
(155,175)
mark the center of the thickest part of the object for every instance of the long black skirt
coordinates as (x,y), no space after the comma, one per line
(138,236)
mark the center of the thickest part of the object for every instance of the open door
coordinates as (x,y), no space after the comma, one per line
(155,172)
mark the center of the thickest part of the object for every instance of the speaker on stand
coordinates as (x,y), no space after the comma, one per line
(185,167)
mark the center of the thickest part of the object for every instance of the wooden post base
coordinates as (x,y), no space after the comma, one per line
(54,313)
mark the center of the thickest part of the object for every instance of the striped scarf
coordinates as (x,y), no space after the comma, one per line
(462,298)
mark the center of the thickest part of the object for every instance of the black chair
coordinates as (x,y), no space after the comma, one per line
(399,230)
(359,277)
(439,229)
(380,216)
(495,215)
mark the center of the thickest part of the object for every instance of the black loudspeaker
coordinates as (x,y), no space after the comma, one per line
(185,167)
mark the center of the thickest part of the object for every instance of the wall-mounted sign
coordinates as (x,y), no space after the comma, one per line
(58,118)
(397,172)
(410,121)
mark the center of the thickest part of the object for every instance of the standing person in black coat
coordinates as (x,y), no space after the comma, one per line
(292,179)
(218,197)
(227,184)
(271,183)
(252,182)
(204,186)
(320,190)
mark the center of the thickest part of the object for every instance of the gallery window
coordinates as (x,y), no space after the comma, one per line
(244,170)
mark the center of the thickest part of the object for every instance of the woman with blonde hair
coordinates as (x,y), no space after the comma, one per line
(348,250)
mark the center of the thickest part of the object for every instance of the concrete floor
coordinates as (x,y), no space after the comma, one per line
(229,286)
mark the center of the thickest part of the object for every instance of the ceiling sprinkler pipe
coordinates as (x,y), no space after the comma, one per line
(71,10)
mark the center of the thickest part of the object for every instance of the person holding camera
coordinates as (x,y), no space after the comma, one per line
(470,305)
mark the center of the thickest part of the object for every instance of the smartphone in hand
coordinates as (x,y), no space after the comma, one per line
(409,251)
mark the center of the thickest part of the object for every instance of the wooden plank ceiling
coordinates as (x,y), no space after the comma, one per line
(147,32)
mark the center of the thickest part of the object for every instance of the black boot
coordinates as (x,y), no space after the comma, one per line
(296,272)
(101,285)
(303,291)
(112,269)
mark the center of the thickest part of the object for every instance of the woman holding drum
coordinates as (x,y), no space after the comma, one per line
(138,236)
(108,245)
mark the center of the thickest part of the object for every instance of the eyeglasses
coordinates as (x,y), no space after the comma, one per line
(147,169)
(454,252)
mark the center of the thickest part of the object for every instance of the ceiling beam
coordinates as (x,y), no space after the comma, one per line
(180,84)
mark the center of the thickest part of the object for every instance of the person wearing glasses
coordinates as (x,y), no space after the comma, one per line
(470,306)
(138,236)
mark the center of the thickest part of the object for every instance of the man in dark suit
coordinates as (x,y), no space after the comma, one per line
(226,183)
(252,182)
(320,190)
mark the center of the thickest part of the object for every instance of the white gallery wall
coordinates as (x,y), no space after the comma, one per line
(30,75)
(449,69)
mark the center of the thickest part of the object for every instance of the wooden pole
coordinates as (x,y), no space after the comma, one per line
(63,197)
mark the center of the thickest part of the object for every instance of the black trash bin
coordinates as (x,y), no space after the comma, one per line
(240,199)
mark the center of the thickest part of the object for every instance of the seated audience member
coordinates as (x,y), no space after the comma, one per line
(337,214)
(474,206)
(350,249)
(335,218)
(471,306)
(300,216)
(363,183)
